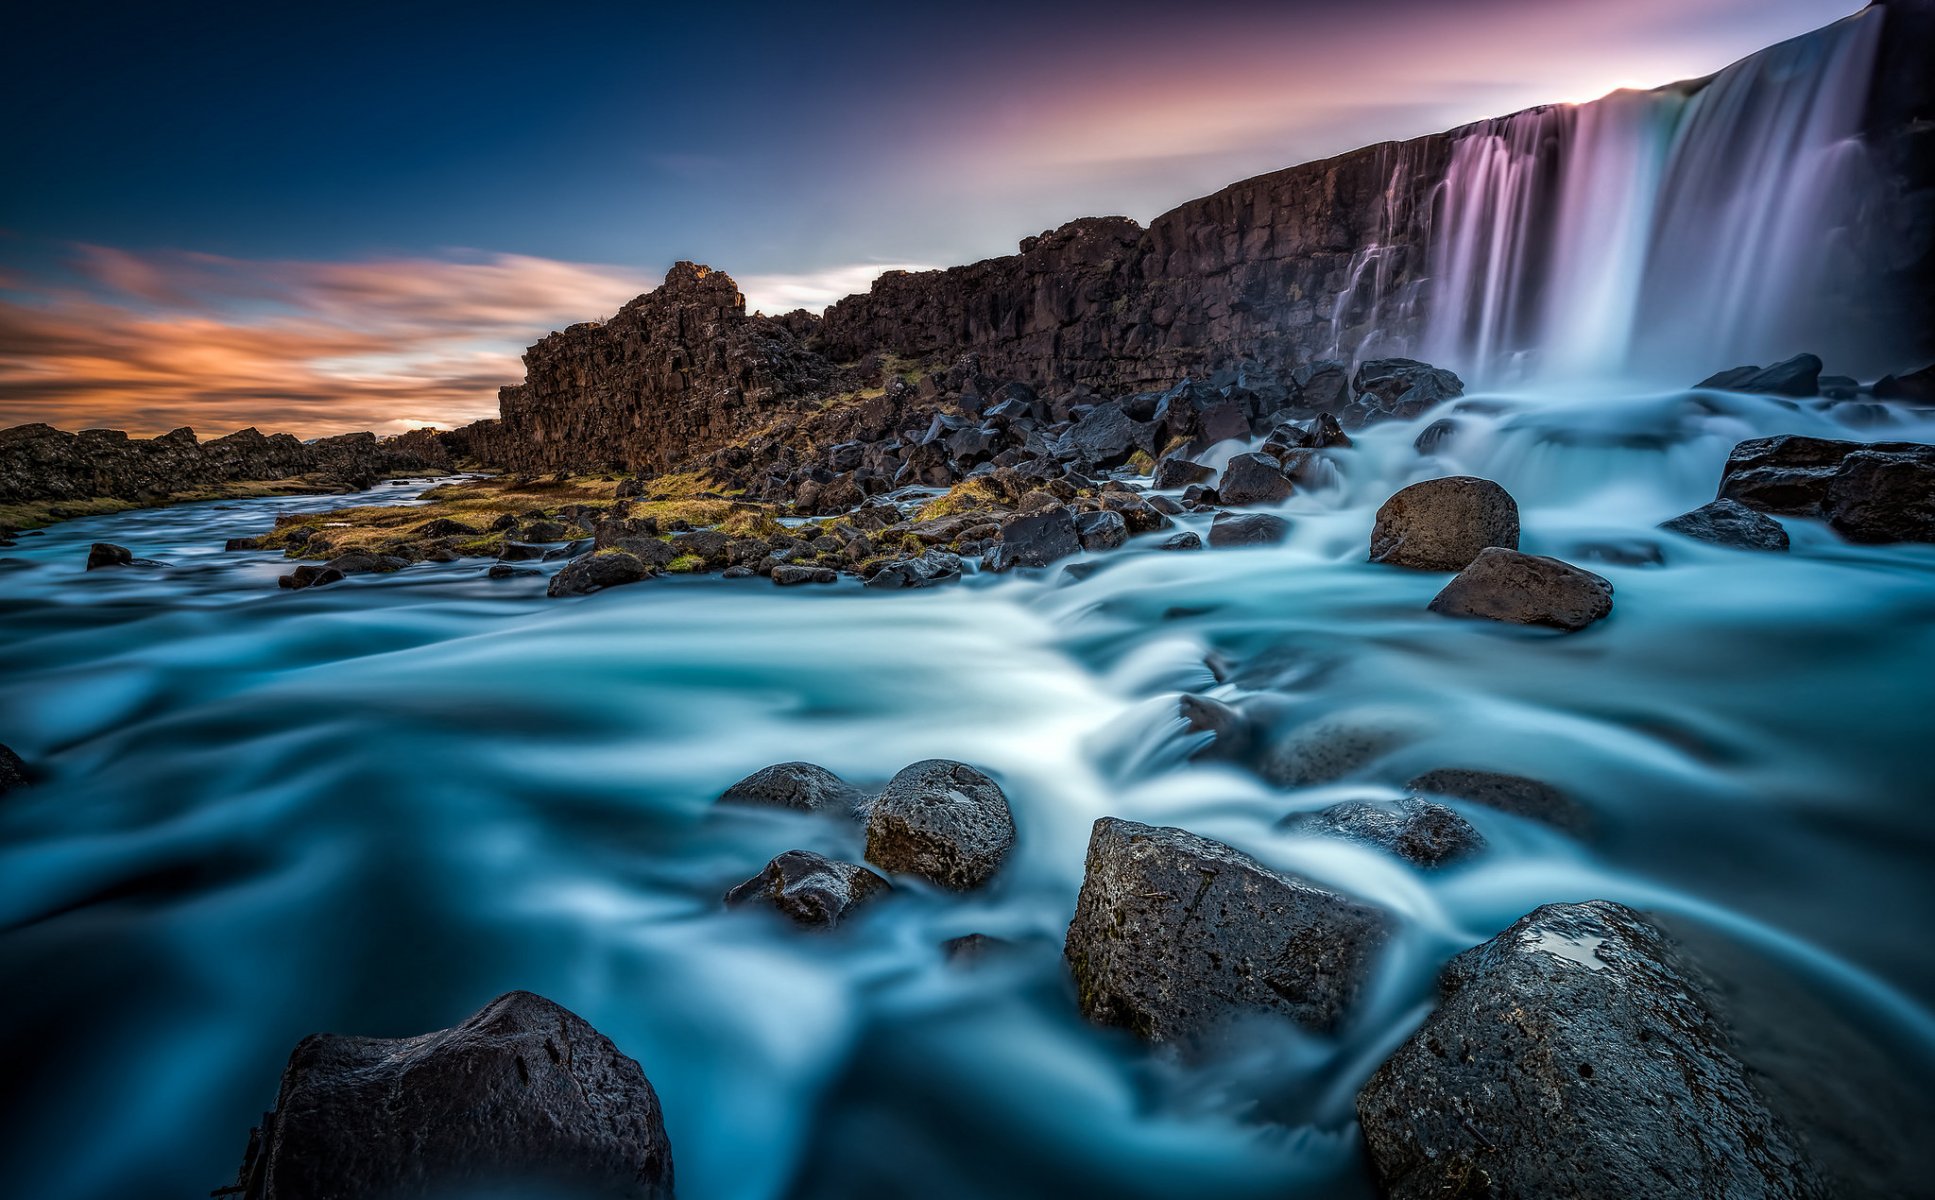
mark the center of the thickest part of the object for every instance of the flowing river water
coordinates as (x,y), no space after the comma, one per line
(371,807)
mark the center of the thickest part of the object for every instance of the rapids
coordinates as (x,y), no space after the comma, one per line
(371,807)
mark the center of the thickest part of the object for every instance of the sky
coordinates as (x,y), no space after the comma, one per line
(322,219)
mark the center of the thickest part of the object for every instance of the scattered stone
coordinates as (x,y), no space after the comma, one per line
(362,562)
(812,890)
(1334,747)
(1399,388)
(107,554)
(795,574)
(1254,479)
(1443,524)
(1247,529)
(943,821)
(310,576)
(1797,376)
(929,569)
(797,785)
(1729,523)
(1174,934)
(523,1095)
(13,771)
(1525,589)
(1035,540)
(1512,794)
(1573,1055)
(972,948)
(1186,540)
(507,571)
(1176,472)
(1104,530)
(522,551)
(1916,386)
(597,571)
(1418,831)
(242,543)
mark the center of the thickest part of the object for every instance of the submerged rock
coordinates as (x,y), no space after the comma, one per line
(1418,831)
(13,771)
(1513,794)
(943,821)
(1247,529)
(972,948)
(524,1095)
(805,786)
(810,889)
(1174,934)
(1525,589)
(597,571)
(308,577)
(1729,523)
(1443,524)
(242,543)
(1574,1056)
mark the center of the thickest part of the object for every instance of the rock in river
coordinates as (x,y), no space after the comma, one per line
(1729,523)
(13,772)
(1174,934)
(930,568)
(1525,589)
(523,1096)
(1573,1055)
(1416,830)
(805,786)
(1247,529)
(1035,540)
(810,889)
(943,821)
(1254,479)
(597,571)
(1443,524)
(1517,795)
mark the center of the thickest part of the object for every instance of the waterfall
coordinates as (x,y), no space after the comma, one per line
(1663,234)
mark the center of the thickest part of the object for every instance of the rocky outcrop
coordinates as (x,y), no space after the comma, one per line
(1575,1055)
(676,373)
(523,1096)
(1873,492)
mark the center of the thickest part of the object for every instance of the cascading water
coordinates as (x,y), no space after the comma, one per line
(1664,235)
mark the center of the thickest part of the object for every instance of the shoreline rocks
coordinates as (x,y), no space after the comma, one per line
(1573,1055)
(1526,589)
(524,1094)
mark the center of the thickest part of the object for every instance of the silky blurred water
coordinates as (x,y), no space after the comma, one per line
(372,807)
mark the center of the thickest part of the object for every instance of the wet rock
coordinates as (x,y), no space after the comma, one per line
(810,889)
(943,821)
(1881,497)
(972,948)
(1247,529)
(362,562)
(1574,1055)
(1517,795)
(1176,472)
(507,571)
(1729,523)
(446,527)
(242,543)
(795,574)
(1335,747)
(13,771)
(1253,479)
(1418,831)
(1619,552)
(1174,934)
(597,571)
(308,577)
(1103,530)
(107,554)
(1797,376)
(1443,524)
(1787,475)
(1918,386)
(1105,436)
(524,1095)
(1323,385)
(1186,540)
(521,551)
(1525,589)
(1399,388)
(804,786)
(1435,436)
(929,569)
(1035,540)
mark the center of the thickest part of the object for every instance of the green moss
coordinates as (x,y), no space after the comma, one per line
(685,564)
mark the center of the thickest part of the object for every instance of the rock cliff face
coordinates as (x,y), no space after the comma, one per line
(679,371)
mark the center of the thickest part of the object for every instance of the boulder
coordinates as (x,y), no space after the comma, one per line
(501,570)
(1443,524)
(1104,530)
(13,771)
(1787,475)
(1397,388)
(1034,540)
(107,554)
(1729,523)
(521,551)
(1797,376)
(1323,385)
(1176,471)
(1879,497)
(797,785)
(363,562)
(1916,386)
(813,891)
(1514,794)
(242,543)
(597,571)
(928,569)
(1418,831)
(943,821)
(1253,479)
(308,577)
(1174,934)
(1525,589)
(795,574)
(1186,540)
(1574,1055)
(1247,529)
(1104,436)
(524,1095)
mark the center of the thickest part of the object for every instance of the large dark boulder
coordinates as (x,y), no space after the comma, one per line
(309,576)
(1416,830)
(1797,376)
(13,771)
(1174,934)
(1729,523)
(1443,524)
(1787,475)
(1254,479)
(1878,497)
(1397,388)
(1525,589)
(796,574)
(1176,471)
(809,889)
(930,568)
(943,821)
(805,786)
(1322,385)
(1517,795)
(1915,387)
(107,554)
(1105,436)
(523,1096)
(1574,1055)
(1104,530)
(1247,529)
(597,571)
(1034,540)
